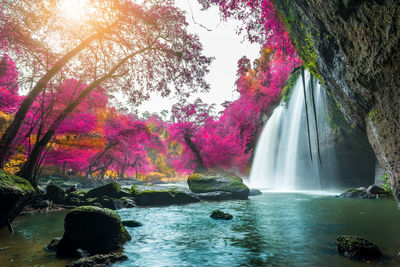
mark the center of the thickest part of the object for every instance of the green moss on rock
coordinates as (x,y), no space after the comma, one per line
(93,229)
(300,35)
(12,182)
(373,114)
(213,181)
(290,83)
(15,193)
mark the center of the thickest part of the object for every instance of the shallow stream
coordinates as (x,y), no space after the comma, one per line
(274,229)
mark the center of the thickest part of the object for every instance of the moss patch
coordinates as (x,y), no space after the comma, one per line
(300,36)
(373,114)
(12,182)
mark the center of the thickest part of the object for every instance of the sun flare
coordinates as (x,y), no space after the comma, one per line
(75,10)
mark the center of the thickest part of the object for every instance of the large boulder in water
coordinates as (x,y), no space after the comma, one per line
(215,196)
(92,229)
(164,197)
(55,194)
(212,181)
(357,248)
(110,190)
(15,193)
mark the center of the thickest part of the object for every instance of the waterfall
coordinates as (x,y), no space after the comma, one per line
(265,156)
(282,159)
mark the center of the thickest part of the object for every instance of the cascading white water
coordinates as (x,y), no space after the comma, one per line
(283,160)
(267,147)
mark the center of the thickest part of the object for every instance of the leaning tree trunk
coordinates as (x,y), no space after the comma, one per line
(196,152)
(28,168)
(11,132)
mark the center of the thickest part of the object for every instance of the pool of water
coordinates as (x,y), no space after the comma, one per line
(275,229)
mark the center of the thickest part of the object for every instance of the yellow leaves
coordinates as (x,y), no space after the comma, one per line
(14,164)
(4,120)
(175,148)
(111,174)
(162,166)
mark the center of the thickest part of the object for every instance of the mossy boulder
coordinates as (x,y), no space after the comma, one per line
(15,193)
(218,181)
(110,190)
(164,197)
(128,202)
(357,248)
(220,215)
(55,194)
(92,229)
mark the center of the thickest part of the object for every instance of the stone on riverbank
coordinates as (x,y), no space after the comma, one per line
(100,260)
(55,194)
(212,181)
(92,229)
(372,192)
(110,190)
(15,193)
(357,248)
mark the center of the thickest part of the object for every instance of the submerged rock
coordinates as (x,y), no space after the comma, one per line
(15,193)
(110,190)
(215,196)
(92,229)
(165,197)
(220,215)
(100,260)
(55,194)
(131,223)
(255,192)
(212,181)
(357,248)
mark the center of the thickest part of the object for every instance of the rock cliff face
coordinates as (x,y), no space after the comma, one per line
(354,47)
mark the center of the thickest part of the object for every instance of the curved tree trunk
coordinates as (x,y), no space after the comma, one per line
(6,141)
(28,168)
(196,152)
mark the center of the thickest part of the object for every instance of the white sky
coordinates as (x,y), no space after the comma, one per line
(222,43)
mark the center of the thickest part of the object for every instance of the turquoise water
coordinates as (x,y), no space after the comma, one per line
(275,229)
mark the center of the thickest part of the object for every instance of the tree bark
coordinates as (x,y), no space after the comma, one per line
(196,152)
